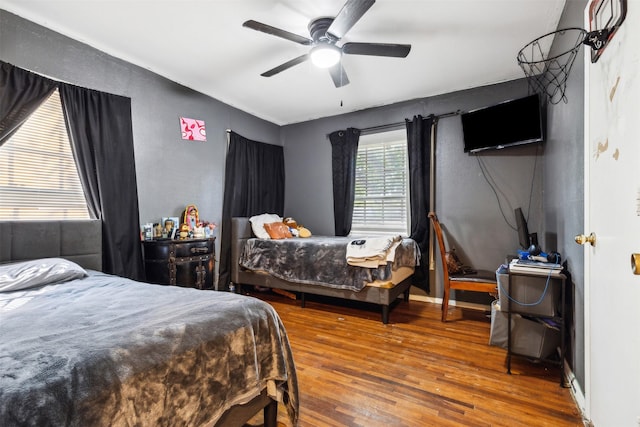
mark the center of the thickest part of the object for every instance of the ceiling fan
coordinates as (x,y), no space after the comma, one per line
(325,33)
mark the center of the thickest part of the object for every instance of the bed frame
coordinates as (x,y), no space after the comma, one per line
(81,242)
(241,231)
(77,241)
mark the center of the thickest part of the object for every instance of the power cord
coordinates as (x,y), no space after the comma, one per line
(533,176)
(531,304)
(495,189)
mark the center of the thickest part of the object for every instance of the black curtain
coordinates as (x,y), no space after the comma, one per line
(101,135)
(253,185)
(344,150)
(21,93)
(100,131)
(419,151)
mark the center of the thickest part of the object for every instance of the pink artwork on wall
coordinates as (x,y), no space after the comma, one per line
(192,129)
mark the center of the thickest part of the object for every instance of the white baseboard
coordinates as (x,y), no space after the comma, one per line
(424,298)
(576,392)
(454,303)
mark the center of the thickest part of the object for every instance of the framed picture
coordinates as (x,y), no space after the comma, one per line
(170,225)
(193,129)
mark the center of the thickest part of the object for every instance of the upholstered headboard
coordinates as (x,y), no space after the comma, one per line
(240,232)
(77,241)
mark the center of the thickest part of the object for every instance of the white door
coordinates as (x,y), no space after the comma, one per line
(612,212)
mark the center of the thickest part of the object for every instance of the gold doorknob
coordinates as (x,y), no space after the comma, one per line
(581,239)
(635,264)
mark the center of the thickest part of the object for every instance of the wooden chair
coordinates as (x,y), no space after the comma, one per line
(480,281)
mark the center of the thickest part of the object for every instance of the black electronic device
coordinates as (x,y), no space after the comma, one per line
(509,123)
(527,240)
(554,257)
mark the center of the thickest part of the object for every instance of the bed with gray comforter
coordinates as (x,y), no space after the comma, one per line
(316,266)
(91,349)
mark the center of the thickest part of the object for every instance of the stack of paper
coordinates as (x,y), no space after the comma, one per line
(535,267)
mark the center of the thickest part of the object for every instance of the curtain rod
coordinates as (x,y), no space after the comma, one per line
(399,124)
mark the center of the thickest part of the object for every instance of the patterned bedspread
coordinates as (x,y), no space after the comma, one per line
(105,351)
(320,261)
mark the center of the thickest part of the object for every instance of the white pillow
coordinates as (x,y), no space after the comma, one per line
(38,272)
(258,222)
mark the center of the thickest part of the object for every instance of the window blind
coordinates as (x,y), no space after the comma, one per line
(38,175)
(381,196)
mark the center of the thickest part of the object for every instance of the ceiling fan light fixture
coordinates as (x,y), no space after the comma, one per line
(325,55)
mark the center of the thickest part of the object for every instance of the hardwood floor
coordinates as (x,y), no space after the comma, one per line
(415,371)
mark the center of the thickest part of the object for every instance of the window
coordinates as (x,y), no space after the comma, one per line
(38,175)
(381,203)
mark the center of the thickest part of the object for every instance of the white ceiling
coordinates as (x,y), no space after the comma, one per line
(456,44)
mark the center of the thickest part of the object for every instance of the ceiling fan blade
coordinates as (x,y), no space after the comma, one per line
(295,61)
(377,49)
(338,75)
(350,13)
(259,26)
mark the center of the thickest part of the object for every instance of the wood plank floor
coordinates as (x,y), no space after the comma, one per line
(415,371)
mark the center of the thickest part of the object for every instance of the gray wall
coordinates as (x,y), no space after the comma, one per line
(465,203)
(171,173)
(547,179)
(564,181)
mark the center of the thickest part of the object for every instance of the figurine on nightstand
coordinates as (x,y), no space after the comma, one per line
(209,229)
(190,217)
(198,231)
(169,226)
(184,231)
(157,230)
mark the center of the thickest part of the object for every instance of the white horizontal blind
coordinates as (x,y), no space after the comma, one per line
(381,193)
(38,175)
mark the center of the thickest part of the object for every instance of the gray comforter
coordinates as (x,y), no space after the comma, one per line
(110,351)
(320,261)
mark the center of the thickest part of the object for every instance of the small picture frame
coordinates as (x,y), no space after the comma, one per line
(170,225)
(193,129)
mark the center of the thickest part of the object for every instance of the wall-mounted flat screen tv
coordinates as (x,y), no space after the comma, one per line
(513,122)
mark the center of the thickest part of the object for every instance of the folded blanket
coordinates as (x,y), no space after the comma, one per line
(372,251)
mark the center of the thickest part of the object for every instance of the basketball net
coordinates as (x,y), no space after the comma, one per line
(548,74)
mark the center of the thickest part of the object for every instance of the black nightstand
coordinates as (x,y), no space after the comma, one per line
(189,263)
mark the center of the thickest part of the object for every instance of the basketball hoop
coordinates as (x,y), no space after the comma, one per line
(548,75)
